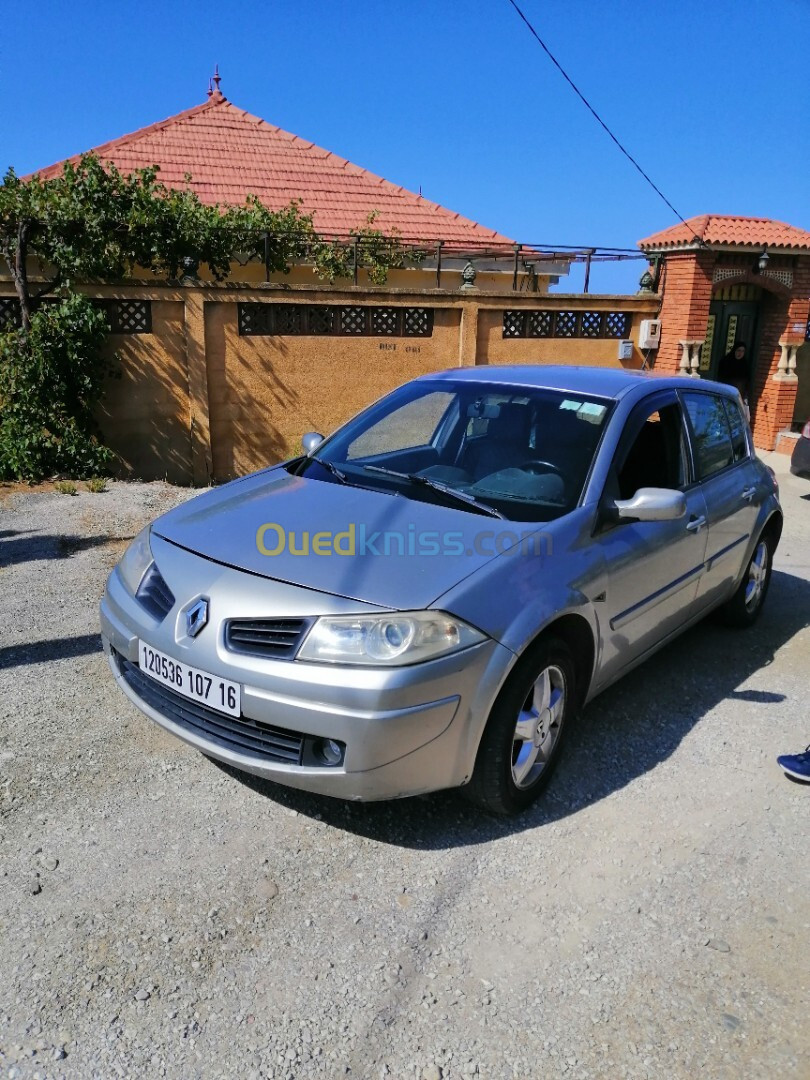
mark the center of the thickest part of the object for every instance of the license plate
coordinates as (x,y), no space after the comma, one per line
(211,690)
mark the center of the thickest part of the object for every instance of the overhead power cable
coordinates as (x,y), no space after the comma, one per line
(592,110)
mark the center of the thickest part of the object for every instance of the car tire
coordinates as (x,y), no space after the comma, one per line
(745,605)
(525,731)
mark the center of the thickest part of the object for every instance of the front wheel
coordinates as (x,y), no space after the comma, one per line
(745,605)
(524,733)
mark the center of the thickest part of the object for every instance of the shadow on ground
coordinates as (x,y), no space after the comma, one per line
(26,547)
(623,734)
(41,652)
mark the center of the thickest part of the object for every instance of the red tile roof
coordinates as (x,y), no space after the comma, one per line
(230,154)
(728,229)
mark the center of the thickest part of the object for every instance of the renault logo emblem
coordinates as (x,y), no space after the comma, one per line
(196,617)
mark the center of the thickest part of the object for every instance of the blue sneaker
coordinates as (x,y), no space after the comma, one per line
(796,765)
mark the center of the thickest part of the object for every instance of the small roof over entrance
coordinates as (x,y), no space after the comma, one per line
(727,231)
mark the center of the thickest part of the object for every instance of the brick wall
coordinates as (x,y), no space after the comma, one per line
(686,288)
(772,401)
(686,285)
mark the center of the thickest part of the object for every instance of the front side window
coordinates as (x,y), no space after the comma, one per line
(655,456)
(711,434)
(523,453)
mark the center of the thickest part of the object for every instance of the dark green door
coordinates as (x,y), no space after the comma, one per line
(730,322)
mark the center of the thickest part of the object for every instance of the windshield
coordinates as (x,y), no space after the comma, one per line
(515,452)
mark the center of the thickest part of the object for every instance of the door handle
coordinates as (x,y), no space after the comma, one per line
(749,493)
(696,524)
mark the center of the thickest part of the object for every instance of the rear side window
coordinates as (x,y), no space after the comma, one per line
(711,433)
(737,424)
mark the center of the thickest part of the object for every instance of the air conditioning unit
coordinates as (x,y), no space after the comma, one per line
(625,350)
(649,334)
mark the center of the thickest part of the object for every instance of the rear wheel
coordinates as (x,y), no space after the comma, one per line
(523,737)
(745,605)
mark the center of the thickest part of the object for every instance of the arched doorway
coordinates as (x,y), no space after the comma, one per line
(734,318)
(723,278)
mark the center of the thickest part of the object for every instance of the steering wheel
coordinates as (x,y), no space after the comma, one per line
(532,464)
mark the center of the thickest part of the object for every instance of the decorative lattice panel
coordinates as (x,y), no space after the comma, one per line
(513,324)
(540,323)
(9,314)
(708,342)
(591,324)
(616,324)
(784,277)
(352,320)
(565,325)
(129,316)
(288,319)
(384,320)
(722,273)
(418,322)
(731,335)
(255,319)
(321,319)
(324,319)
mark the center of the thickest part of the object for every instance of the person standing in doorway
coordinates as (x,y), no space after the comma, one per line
(734,370)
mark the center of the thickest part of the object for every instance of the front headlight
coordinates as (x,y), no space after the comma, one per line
(136,561)
(390,640)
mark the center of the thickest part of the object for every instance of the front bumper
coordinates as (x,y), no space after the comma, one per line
(406,730)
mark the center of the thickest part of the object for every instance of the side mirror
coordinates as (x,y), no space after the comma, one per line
(653,504)
(311,441)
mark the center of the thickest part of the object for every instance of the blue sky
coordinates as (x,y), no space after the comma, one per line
(712,98)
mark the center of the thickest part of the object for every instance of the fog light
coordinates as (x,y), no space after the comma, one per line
(330,752)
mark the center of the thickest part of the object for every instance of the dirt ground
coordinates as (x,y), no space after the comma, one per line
(162,916)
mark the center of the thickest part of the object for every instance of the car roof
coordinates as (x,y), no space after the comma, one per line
(599,381)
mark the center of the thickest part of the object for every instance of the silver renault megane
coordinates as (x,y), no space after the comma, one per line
(425,599)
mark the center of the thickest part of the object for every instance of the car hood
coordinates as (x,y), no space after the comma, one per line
(440,545)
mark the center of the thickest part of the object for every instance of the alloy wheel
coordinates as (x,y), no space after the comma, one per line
(757,576)
(538,726)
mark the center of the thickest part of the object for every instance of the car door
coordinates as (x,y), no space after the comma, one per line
(653,567)
(727,476)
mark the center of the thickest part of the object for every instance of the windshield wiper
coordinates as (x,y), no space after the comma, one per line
(333,469)
(437,485)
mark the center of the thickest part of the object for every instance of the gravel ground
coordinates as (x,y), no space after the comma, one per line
(161,916)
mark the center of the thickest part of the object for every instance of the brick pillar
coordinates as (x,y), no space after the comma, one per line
(775,381)
(687,293)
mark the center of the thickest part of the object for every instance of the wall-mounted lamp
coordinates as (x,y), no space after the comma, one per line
(762,262)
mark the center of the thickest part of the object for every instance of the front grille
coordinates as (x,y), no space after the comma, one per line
(155,594)
(279,638)
(247,737)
